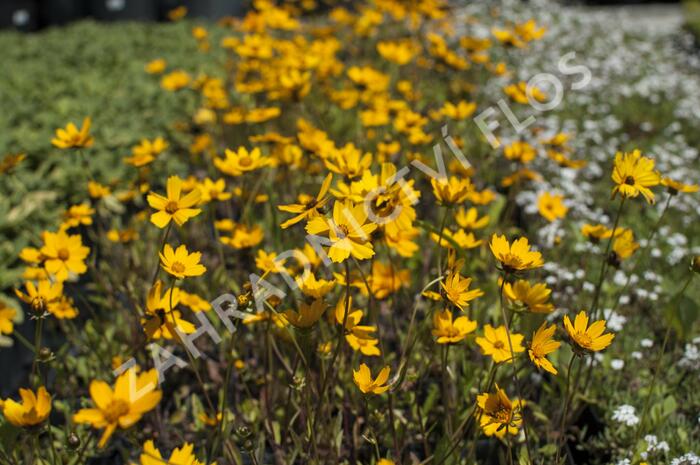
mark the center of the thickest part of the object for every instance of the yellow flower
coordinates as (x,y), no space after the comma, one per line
(71,137)
(64,254)
(32,410)
(243,236)
(363,380)
(180,456)
(77,215)
(500,415)
(535,298)
(451,191)
(587,338)
(125,236)
(399,52)
(146,151)
(465,240)
(674,187)
(541,345)
(175,80)
(156,66)
(7,317)
(634,174)
(97,190)
(309,206)
(214,191)
(457,290)
(521,91)
(469,219)
(268,262)
(520,151)
(64,308)
(595,233)
(551,206)
(241,161)
(174,206)
(348,161)
(313,287)
(624,245)
(348,231)
(460,111)
(11,161)
(495,343)
(116,408)
(515,257)
(308,315)
(42,297)
(260,115)
(180,263)
(161,317)
(449,331)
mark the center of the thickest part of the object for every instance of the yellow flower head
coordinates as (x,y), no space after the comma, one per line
(495,343)
(7,318)
(520,151)
(500,415)
(595,233)
(133,395)
(449,331)
(624,245)
(469,219)
(634,174)
(180,456)
(314,287)
(41,297)
(174,206)
(64,254)
(363,380)
(77,215)
(457,290)
(72,138)
(674,187)
(543,344)
(551,206)
(534,297)
(310,206)
(451,191)
(348,231)
(180,263)
(348,161)
(32,410)
(515,257)
(587,338)
(241,161)
(146,151)
(308,314)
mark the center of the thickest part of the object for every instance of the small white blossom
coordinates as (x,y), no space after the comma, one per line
(625,414)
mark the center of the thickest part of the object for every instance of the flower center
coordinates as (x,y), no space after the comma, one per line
(502,415)
(245,161)
(499,345)
(583,339)
(343,229)
(629,180)
(116,409)
(171,207)
(39,304)
(178,267)
(63,254)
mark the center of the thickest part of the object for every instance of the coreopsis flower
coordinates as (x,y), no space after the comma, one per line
(465,240)
(587,338)
(515,257)
(624,244)
(64,309)
(348,231)
(451,191)
(33,409)
(174,206)
(269,263)
(72,138)
(307,315)
(41,297)
(495,343)
(77,215)
(551,207)
(64,254)
(11,161)
(674,187)
(314,287)
(97,190)
(520,176)
(213,191)
(146,151)
(177,13)
(180,455)
(634,174)
(309,206)
(533,297)
(521,93)
(243,236)
(457,290)
(237,163)
(399,52)
(520,151)
(156,66)
(449,330)
(116,408)
(499,415)
(175,80)
(543,344)
(459,111)
(180,263)
(595,233)
(363,380)
(469,219)
(348,161)
(161,317)
(359,337)
(123,237)
(7,317)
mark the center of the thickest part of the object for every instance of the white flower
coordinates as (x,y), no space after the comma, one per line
(646,342)
(617,364)
(625,414)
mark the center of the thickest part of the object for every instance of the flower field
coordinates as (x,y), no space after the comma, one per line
(393,233)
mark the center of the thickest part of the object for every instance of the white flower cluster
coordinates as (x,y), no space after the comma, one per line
(691,356)
(687,459)
(654,446)
(626,414)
